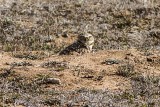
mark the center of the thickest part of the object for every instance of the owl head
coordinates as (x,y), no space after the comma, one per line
(84,38)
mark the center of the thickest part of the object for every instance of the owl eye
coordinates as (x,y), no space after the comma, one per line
(87,38)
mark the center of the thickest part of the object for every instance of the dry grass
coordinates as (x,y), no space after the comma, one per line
(35,30)
(38,25)
(18,90)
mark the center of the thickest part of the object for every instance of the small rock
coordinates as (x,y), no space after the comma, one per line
(54,64)
(111,61)
(53,81)
(87,76)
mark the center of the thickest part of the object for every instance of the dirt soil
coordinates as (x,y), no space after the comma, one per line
(87,70)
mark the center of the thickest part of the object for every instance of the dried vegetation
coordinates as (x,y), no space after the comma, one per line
(35,30)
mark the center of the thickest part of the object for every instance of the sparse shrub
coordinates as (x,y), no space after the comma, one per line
(8,47)
(19,90)
(47,79)
(47,47)
(24,22)
(30,55)
(111,61)
(57,66)
(126,70)
(25,55)
(24,63)
(52,102)
(27,22)
(147,87)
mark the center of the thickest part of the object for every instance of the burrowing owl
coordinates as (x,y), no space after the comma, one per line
(84,42)
(88,40)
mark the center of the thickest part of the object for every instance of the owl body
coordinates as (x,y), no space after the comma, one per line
(88,40)
(84,44)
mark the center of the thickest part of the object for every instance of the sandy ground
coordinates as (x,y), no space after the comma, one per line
(84,71)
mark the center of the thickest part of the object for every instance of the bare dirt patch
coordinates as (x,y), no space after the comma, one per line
(87,70)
